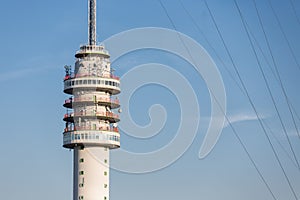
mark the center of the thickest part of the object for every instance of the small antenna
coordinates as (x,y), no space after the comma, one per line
(92,22)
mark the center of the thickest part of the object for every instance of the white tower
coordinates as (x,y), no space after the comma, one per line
(91,125)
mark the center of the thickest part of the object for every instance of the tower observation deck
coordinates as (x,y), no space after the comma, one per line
(91,123)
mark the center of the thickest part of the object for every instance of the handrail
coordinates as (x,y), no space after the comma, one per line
(72,76)
(105,114)
(83,99)
(71,129)
(89,48)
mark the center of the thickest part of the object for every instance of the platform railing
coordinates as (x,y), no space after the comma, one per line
(72,76)
(91,113)
(83,99)
(85,128)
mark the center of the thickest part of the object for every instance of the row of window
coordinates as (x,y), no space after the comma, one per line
(81,198)
(91,136)
(81,160)
(82,184)
(82,173)
(90,82)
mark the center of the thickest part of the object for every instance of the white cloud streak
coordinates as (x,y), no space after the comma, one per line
(10,75)
(242,117)
(15,74)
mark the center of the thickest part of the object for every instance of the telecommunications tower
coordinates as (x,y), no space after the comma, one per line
(91,125)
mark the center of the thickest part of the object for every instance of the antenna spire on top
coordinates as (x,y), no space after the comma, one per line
(92,22)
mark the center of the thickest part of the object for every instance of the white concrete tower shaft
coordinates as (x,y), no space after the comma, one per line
(91,123)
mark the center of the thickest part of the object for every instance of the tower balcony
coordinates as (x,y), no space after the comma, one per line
(110,84)
(111,117)
(88,128)
(72,76)
(109,139)
(112,103)
(96,50)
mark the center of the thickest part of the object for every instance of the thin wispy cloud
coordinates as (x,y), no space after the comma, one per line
(293,133)
(29,67)
(15,74)
(242,117)
(237,118)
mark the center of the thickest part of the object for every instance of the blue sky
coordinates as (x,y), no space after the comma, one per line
(39,37)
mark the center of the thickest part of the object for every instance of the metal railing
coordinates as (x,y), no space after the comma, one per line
(85,128)
(91,113)
(84,99)
(72,76)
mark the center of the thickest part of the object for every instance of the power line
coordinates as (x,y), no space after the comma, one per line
(277,71)
(294,11)
(246,91)
(294,109)
(259,119)
(284,35)
(265,79)
(228,71)
(226,117)
(249,156)
(279,143)
(225,66)
(210,45)
(272,70)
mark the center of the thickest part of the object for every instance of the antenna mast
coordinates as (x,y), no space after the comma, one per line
(92,22)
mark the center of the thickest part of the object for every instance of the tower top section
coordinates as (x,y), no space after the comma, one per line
(92,49)
(92,21)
